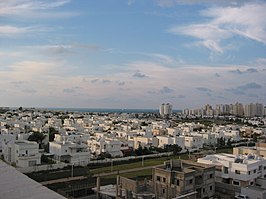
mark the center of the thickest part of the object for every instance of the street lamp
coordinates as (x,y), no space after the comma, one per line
(112,165)
(72,170)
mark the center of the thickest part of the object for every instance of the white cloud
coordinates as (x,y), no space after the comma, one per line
(209,34)
(24,7)
(223,23)
(247,20)
(169,3)
(8,30)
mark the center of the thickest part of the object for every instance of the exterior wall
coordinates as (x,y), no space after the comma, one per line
(175,180)
(209,139)
(253,192)
(74,153)
(165,140)
(27,154)
(142,141)
(193,142)
(231,170)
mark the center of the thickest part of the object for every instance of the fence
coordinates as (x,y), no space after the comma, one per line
(130,158)
(42,167)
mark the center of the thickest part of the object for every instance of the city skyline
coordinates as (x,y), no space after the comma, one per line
(132,54)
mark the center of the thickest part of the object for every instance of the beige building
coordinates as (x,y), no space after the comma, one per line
(183,179)
(175,179)
(259,150)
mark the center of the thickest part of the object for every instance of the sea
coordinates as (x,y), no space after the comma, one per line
(106,110)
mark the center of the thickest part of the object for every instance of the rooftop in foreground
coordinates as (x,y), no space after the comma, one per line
(15,185)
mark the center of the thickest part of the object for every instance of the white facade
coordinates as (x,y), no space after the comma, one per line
(140,141)
(165,109)
(239,170)
(105,145)
(69,152)
(193,142)
(170,140)
(22,153)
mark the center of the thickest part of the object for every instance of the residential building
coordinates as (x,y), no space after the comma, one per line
(238,170)
(193,142)
(259,149)
(105,145)
(21,153)
(175,179)
(183,179)
(165,109)
(70,152)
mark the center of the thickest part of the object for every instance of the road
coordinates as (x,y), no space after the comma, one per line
(96,175)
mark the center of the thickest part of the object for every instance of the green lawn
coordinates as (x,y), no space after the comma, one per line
(148,162)
(86,171)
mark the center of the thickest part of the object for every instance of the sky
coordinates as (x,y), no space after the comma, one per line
(132,53)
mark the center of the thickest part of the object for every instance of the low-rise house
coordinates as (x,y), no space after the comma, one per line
(70,152)
(140,141)
(105,145)
(238,170)
(171,140)
(22,153)
(193,142)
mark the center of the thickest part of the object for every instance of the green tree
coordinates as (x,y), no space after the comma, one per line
(52,132)
(229,142)
(175,148)
(255,137)
(37,137)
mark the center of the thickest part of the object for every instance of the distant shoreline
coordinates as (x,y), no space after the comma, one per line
(106,110)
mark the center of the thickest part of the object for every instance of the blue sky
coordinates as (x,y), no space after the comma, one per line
(132,53)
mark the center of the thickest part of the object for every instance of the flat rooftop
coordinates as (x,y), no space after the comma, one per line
(16,185)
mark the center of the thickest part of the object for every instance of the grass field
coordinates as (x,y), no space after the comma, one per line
(86,171)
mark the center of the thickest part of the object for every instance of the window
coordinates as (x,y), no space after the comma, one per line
(177,182)
(158,178)
(32,163)
(210,188)
(225,169)
(237,172)
(190,181)
(164,179)
(163,191)
(235,183)
(264,167)
(203,190)
(260,167)
(255,171)
(248,172)
(211,175)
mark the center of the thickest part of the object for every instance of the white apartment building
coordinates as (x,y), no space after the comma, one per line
(193,142)
(70,152)
(105,145)
(209,139)
(22,153)
(165,109)
(239,170)
(140,141)
(170,140)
